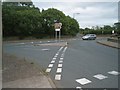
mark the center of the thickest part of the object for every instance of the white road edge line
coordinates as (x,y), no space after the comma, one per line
(48,70)
(50,65)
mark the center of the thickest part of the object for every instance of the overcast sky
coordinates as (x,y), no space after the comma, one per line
(90,13)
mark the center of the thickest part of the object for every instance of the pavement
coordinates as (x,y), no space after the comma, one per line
(108,43)
(18,73)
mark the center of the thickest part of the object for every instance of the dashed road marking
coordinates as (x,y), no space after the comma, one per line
(31,42)
(52,61)
(59,70)
(56,54)
(62,55)
(54,58)
(114,72)
(61,58)
(58,77)
(60,61)
(48,70)
(78,87)
(45,49)
(83,81)
(50,65)
(59,65)
(100,76)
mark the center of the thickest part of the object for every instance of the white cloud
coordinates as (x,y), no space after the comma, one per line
(91,13)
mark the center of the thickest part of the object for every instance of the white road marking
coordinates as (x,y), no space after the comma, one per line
(62,55)
(78,87)
(31,42)
(61,58)
(58,77)
(40,41)
(60,49)
(56,54)
(48,41)
(59,70)
(83,81)
(65,49)
(45,49)
(114,72)
(50,65)
(54,58)
(59,65)
(21,43)
(100,76)
(48,70)
(60,61)
(52,61)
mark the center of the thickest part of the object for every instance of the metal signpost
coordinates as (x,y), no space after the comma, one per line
(57,29)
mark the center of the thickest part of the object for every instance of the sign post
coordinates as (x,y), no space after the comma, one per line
(57,26)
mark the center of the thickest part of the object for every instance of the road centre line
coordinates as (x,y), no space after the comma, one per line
(53,60)
(59,65)
(58,77)
(60,61)
(59,70)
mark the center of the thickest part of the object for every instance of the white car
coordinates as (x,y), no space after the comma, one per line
(89,37)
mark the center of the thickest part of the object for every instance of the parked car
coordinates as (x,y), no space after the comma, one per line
(89,37)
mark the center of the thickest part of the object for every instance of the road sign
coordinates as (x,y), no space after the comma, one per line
(57,25)
(57,29)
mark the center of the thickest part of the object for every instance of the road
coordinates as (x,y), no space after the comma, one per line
(80,64)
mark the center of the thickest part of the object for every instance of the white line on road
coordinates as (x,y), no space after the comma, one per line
(59,70)
(60,49)
(61,58)
(78,87)
(48,70)
(65,49)
(45,49)
(58,77)
(52,61)
(56,54)
(60,61)
(54,58)
(59,65)
(62,55)
(114,72)
(100,76)
(83,81)
(50,65)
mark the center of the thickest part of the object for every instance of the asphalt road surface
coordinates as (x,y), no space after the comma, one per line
(80,64)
